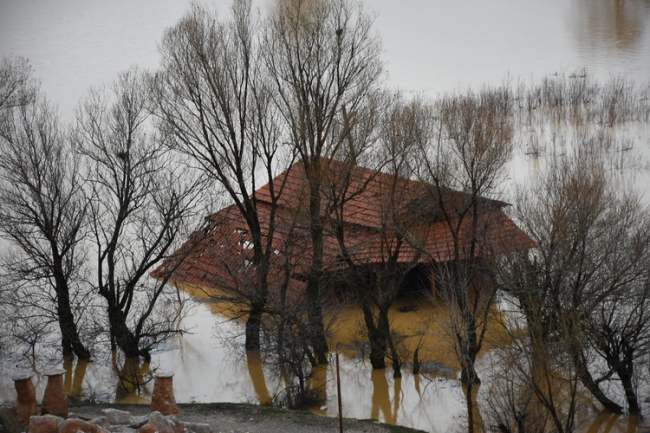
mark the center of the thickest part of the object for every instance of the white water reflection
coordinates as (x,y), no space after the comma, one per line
(209,365)
(210,369)
(430,46)
(605,30)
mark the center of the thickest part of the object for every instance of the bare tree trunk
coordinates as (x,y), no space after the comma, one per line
(394,355)
(260,297)
(468,342)
(124,338)
(70,341)
(630,394)
(253,327)
(588,381)
(625,372)
(375,336)
(314,309)
(469,402)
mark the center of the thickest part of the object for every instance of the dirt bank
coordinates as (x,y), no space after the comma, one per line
(244,418)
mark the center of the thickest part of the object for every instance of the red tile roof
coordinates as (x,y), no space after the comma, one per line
(373,217)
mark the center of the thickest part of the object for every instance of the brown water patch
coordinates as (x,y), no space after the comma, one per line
(218,301)
(134,382)
(256,372)
(74,379)
(417,324)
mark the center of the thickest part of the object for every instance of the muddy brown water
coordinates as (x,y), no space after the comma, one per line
(210,366)
(431,46)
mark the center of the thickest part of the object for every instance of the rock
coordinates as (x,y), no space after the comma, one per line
(44,424)
(177,425)
(161,423)
(162,399)
(139,421)
(100,421)
(25,405)
(147,428)
(123,429)
(55,401)
(116,416)
(9,422)
(198,427)
(75,425)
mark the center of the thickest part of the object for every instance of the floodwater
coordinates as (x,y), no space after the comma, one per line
(210,365)
(430,47)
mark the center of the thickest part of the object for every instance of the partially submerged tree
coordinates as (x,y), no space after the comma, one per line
(214,99)
(400,234)
(533,386)
(586,286)
(324,62)
(44,207)
(142,199)
(469,154)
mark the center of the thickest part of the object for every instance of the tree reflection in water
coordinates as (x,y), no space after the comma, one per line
(608,422)
(133,378)
(317,384)
(381,397)
(208,370)
(73,380)
(256,372)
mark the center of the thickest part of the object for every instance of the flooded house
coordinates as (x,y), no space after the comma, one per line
(371,220)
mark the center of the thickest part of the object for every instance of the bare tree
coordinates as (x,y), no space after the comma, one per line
(15,87)
(397,234)
(587,284)
(142,200)
(44,207)
(214,98)
(533,385)
(472,148)
(324,62)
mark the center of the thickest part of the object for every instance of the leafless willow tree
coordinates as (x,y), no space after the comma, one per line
(533,385)
(44,208)
(214,96)
(585,288)
(323,59)
(16,86)
(469,154)
(142,201)
(404,128)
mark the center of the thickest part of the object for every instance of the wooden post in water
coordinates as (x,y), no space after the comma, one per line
(338,391)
